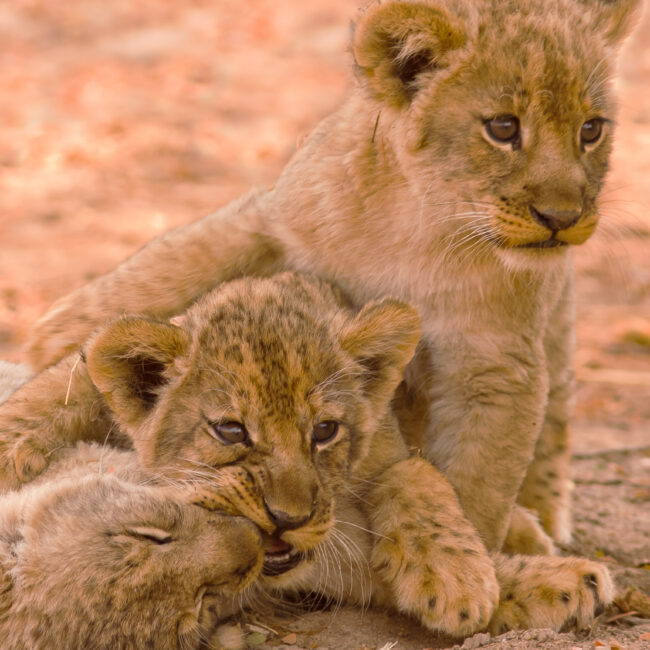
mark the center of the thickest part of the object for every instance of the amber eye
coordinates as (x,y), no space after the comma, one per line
(591,131)
(325,431)
(230,433)
(503,128)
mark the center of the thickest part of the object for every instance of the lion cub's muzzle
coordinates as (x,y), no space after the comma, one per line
(279,555)
(555,220)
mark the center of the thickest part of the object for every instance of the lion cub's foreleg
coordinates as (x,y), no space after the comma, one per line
(427,553)
(58,407)
(547,486)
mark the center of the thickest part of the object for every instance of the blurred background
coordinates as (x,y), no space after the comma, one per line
(122,119)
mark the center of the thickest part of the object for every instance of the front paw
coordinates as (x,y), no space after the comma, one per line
(21,463)
(552,592)
(450,587)
(526,535)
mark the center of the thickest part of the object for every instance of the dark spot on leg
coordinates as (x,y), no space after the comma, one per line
(432,602)
(565,597)
(510,596)
(464,615)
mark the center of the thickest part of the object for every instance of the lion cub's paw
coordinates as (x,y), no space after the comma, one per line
(526,535)
(452,589)
(30,459)
(555,592)
(20,463)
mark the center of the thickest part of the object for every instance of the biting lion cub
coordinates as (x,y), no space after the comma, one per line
(457,176)
(270,399)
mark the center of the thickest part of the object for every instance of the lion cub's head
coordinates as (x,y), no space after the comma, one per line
(261,400)
(500,114)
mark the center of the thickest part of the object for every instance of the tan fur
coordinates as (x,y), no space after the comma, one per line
(91,559)
(402,192)
(280,355)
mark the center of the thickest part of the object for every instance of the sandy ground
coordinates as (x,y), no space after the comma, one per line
(123,119)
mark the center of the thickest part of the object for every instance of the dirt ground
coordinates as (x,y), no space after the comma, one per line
(122,119)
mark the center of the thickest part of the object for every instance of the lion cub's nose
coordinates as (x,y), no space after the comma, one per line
(284,521)
(555,219)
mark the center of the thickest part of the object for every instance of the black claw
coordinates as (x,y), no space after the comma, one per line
(591,581)
(565,597)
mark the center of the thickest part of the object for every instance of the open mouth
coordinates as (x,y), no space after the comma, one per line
(279,557)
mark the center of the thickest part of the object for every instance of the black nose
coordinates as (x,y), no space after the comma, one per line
(284,521)
(555,219)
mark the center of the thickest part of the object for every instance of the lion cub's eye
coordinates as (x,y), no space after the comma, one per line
(591,131)
(325,431)
(503,128)
(230,433)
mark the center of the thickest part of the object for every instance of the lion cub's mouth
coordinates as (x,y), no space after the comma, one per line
(546,243)
(279,556)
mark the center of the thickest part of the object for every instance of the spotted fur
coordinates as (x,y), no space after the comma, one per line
(366,520)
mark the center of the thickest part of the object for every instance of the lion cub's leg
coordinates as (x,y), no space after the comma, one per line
(426,551)
(547,486)
(555,592)
(56,408)
(526,535)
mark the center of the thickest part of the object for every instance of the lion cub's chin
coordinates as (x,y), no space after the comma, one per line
(540,260)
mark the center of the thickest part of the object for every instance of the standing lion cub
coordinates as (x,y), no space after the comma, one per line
(457,177)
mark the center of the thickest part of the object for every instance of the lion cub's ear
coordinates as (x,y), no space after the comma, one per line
(615,18)
(382,338)
(395,43)
(129,361)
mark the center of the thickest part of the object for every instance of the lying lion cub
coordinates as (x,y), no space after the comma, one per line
(90,557)
(270,399)
(458,176)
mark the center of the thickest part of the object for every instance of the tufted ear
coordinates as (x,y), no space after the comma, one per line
(394,43)
(129,362)
(382,338)
(616,18)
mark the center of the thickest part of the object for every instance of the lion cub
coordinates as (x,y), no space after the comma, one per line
(458,177)
(90,557)
(271,399)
